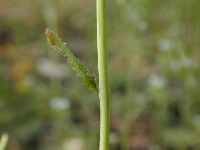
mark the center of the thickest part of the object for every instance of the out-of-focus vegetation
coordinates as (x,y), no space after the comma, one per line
(153,66)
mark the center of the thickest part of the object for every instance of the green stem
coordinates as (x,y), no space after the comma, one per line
(3,141)
(103,75)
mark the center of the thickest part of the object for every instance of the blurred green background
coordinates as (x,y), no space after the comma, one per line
(154,74)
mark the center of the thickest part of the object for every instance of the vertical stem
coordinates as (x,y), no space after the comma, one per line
(103,75)
(3,141)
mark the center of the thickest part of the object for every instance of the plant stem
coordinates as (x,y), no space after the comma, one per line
(3,141)
(103,75)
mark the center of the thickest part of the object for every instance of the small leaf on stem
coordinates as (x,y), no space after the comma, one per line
(88,78)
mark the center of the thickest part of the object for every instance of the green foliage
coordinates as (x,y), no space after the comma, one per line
(154,75)
(88,78)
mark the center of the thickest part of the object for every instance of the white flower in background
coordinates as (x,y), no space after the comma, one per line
(142,25)
(188,62)
(73,144)
(59,103)
(114,137)
(49,68)
(184,62)
(156,81)
(165,45)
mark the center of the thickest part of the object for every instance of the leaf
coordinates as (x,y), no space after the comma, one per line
(88,78)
